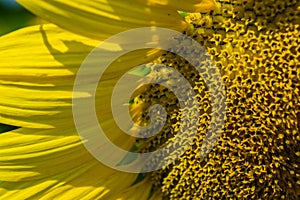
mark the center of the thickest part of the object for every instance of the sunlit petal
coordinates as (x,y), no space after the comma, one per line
(38,66)
(102,18)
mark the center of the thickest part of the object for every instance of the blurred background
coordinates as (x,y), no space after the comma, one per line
(13,16)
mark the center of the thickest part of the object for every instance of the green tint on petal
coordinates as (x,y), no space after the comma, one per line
(183,14)
(142,71)
(129,103)
(102,18)
(129,158)
(139,179)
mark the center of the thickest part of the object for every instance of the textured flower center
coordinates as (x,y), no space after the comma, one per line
(256,46)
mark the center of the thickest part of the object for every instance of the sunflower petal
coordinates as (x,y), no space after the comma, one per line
(102,18)
(27,154)
(83,182)
(38,66)
(185,5)
(48,166)
(140,191)
(157,195)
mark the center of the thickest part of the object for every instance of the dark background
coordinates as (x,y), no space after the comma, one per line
(13,16)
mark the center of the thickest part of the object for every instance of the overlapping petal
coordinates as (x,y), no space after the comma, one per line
(48,164)
(139,191)
(38,66)
(102,18)
(184,5)
(28,154)
(84,182)
(45,158)
(37,70)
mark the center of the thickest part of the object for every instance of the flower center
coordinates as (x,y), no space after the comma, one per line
(255,45)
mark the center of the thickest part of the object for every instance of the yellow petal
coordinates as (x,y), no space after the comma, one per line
(157,195)
(38,66)
(28,154)
(84,182)
(102,18)
(51,164)
(185,5)
(139,191)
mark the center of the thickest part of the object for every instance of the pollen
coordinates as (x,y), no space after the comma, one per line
(256,47)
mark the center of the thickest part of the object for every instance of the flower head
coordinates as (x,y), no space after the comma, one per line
(254,44)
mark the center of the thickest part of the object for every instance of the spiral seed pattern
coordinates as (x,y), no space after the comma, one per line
(256,46)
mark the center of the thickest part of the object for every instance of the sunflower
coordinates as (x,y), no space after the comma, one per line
(42,156)
(254,44)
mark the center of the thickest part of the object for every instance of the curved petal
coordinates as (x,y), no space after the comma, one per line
(185,5)
(102,18)
(84,182)
(28,154)
(139,191)
(38,66)
(53,164)
(157,195)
